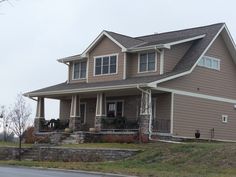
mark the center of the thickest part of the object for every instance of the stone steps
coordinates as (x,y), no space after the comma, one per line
(30,154)
(75,138)
(69,141)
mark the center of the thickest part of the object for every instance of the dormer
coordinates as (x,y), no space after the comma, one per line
(113,56)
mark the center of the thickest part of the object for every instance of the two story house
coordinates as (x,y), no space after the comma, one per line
(174,83)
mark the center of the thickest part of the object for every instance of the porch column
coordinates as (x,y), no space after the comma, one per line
(39,118)
(145,114)
(75,122)
(100,111)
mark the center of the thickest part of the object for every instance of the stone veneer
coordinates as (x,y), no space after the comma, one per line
(67,154)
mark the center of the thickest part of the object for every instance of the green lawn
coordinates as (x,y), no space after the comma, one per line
(13,144)
(159,160)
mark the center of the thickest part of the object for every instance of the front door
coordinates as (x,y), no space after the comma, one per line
(83,113)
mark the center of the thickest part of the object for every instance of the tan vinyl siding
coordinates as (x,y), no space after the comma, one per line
(131,104)
(132,66)
(90,111)
(64,110)
(105,47)
(71,75)
(207,81)
(163,106)
(174,55)
(191,114)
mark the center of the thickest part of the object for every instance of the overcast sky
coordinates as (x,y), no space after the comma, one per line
(34,33)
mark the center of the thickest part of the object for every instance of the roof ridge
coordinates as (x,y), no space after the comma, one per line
(124,35)
(179,30)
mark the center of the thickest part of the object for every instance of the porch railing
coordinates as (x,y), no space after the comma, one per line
(118,123)
(161,125)
(54,124)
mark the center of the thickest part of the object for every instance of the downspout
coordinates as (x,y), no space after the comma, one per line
(150,119)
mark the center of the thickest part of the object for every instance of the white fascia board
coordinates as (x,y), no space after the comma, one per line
(154,84)
(167,45)
(186,40)
(196,95)
(138,49)
(230,43)
(103,33)
(72,58)
(85,90)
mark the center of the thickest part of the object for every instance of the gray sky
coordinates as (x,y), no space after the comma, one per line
(34,33)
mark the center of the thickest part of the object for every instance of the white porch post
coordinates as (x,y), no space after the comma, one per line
(145,114)
(75,122)
(39,118)
(100,111)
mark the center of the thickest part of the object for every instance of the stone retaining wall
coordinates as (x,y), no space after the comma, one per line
(66,154)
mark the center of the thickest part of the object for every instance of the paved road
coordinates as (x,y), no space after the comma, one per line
(27,172)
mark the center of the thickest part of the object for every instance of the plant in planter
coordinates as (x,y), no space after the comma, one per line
(120,122)
(197,134)
(68,130)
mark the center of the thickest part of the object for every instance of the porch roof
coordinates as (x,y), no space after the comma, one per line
(68,88)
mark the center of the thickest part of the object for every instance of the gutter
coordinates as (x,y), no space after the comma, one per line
(27,95)
(82,90)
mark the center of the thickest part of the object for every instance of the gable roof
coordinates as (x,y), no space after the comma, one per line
(133,44)
(202,38)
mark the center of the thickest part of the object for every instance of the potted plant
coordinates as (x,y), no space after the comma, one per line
(197,134)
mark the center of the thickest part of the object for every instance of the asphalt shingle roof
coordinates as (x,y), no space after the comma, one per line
(185,64)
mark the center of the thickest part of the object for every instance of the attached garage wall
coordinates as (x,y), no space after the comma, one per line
(191,114)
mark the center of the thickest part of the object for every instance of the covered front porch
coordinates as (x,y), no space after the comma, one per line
(126,110)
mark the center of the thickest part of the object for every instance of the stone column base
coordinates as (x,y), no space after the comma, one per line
(38,124)
(98,123)
(143,128)
(75,123)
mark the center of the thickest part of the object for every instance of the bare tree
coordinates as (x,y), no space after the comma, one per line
(19,115)
(3,1)
(5,122)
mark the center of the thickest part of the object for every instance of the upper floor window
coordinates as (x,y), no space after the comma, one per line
(147,62)
(79,70)
(210,62)
(106,65)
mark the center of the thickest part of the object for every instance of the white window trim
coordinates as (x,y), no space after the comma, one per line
(213,59)
(85,114)
(140,72)
(101,56)
(115,101)
(73,70)
(154,100)
(224,116)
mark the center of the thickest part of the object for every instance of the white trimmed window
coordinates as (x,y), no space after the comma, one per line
(210,62)
(115,108)
(106,65)
(79,70)
(224,118)
(147,62)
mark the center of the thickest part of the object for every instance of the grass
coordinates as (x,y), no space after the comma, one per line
(158,160)
(13,144)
